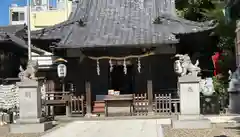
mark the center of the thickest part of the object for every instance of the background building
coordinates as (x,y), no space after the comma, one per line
(44,13)
(17,15)
(4,10)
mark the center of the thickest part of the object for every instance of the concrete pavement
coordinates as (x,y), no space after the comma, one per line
(109,128)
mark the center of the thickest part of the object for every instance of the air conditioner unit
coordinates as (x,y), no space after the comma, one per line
(40,2)
(37,2)
(40,5)
(38,8)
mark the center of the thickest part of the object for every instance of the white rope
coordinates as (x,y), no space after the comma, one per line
(122,58)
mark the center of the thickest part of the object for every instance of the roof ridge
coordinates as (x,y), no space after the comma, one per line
(128,24)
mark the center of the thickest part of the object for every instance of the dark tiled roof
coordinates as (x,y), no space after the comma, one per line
(12,28)
(121,22)
(7,34)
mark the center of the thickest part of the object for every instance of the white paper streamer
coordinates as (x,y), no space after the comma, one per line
(139,65)
(98,68)
(111,65)
(124,66)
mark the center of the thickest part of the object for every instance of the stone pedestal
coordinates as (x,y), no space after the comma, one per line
(234,102)
(189,95)
(234,91)
(190,117)
(30,120)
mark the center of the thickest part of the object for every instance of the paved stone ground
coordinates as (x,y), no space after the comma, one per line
(116,128)
(4,131)
(141,128)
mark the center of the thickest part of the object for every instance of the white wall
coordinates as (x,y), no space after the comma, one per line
(18,9)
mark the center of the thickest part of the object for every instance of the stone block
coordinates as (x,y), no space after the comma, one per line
(30,99)
(30,128)
(189,95)
(189,79)
(31,120)
(191,124)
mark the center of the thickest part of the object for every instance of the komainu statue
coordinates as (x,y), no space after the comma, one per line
(183,65)
(29,72)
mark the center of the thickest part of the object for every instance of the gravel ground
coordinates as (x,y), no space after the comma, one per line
(218,130)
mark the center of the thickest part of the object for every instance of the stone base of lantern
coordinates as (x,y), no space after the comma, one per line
(30,128)
(30,120)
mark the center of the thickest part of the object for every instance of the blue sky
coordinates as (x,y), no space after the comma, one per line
(4,9)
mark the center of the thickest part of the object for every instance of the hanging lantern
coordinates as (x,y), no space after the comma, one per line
(98,68)
(62,70)
(139,65)
(111,65)
(124,66)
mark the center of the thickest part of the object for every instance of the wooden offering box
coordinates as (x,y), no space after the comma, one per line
(118,105)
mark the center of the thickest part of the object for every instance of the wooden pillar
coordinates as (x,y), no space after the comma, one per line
(88,99)
(68,105)
(68,111)
(150,97)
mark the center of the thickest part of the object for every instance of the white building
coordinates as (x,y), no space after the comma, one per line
(17,15)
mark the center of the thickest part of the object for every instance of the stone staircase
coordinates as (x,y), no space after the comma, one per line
(99,107)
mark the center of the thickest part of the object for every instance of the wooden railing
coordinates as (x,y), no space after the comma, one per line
(56,98)
(73,104)
(77,105)
(140,104)
(164,104)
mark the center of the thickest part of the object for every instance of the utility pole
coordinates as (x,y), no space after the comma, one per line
(29,29)
(237,43)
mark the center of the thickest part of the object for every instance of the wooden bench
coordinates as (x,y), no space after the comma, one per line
(57,99)
(119,104)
